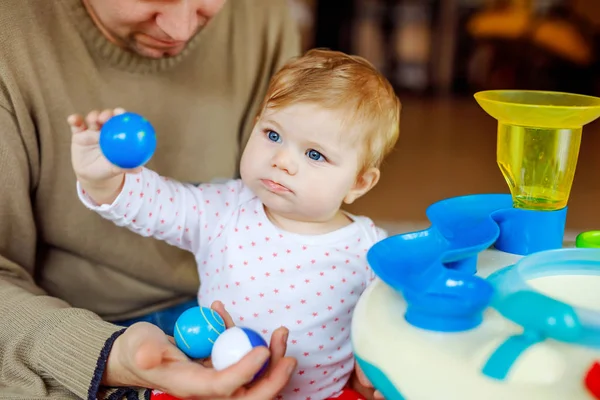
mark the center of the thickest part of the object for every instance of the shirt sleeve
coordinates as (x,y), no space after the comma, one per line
(380,235)
(182,214)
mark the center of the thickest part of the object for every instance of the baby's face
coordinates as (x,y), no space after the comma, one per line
(301,161)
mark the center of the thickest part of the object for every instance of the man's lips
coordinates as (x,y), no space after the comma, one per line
(158,43)
(274,186)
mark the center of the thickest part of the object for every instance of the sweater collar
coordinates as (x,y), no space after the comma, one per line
(117,56)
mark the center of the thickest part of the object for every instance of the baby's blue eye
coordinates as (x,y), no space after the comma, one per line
(315,155)
(273,136)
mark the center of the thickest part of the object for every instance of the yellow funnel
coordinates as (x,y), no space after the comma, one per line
(539,134)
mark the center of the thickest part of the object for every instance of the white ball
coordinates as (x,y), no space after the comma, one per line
(232,345)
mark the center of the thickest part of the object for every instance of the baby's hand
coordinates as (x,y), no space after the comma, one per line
(97,176)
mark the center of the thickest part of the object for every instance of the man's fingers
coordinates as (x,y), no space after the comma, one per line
(192,380)
(278,344)
(220,308)
(227,381)
(278,347)
(270,386)
(182,379)
(206,362)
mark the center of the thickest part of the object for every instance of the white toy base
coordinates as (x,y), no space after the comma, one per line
(427,365)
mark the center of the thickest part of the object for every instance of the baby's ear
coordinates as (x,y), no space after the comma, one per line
(364,182)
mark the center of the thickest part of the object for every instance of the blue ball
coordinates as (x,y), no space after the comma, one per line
(233,344)
(196,330)
(127,140)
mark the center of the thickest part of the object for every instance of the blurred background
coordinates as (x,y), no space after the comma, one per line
(437,54)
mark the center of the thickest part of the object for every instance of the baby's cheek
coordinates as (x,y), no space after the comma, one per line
(323,199)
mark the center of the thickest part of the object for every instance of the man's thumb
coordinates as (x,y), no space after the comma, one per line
(150,354)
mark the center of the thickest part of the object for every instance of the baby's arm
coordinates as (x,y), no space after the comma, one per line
(141,200)
(181,214)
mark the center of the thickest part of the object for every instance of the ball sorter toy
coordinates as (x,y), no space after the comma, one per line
(489,302)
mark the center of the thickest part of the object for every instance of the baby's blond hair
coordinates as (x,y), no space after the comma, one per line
(341,82)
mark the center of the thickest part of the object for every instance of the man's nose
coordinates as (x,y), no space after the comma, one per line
(179,20)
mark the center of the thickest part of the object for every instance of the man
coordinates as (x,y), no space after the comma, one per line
(197,69)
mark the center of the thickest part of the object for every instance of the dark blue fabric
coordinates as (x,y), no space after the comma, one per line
(164,319)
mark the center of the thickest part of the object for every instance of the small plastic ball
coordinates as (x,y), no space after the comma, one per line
(196,330)
(233,344)
(128,140)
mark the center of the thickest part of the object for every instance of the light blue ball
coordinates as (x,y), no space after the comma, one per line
(127,140)
(196,331)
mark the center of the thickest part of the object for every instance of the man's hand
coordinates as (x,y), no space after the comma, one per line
(143,356)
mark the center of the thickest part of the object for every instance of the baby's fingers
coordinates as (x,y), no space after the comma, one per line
(79,129)
(108,114)
(76,123)
(92,120)
(104,116)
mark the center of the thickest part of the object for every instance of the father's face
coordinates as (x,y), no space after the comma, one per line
(152,28)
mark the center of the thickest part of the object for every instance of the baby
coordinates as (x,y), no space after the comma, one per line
(275,246)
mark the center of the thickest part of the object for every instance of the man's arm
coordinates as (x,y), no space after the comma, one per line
(47,348)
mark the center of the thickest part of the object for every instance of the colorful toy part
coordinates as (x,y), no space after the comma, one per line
(233,344)
(196,331)
(158,395)
(128,140)
(530,330)
(497,360)
(539,134)
(541,316)
(592,380)
(590,239)
(435,269)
